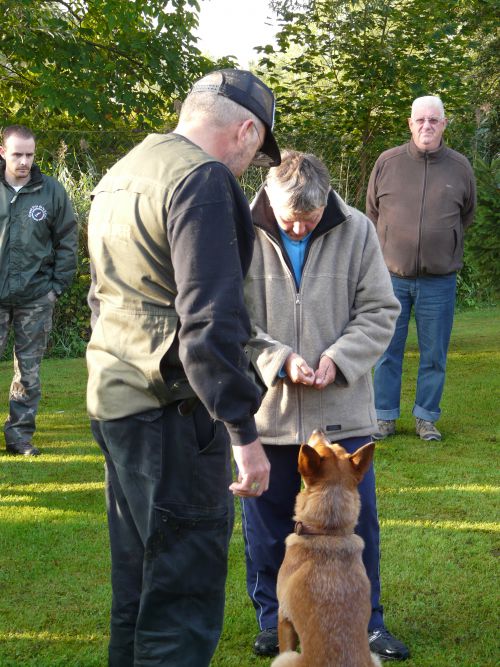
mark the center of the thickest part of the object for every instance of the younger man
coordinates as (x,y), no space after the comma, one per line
(38,251)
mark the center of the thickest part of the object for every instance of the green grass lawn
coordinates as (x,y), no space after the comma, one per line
(438,506)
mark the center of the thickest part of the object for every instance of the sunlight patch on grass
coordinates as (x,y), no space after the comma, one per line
(487,355)
(35,513)
(51,487)
(56,458)
(51,636)
(442,525)
(12,500)
(468,488)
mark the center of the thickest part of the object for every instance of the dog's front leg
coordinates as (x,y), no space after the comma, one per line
(287,637)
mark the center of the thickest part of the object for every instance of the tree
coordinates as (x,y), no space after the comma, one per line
(482,243)
(346,87)
(97,62)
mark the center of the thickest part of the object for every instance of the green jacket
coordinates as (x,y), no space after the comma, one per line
(170,238)
(38,239)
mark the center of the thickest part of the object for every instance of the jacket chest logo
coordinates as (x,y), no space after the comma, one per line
(37,213)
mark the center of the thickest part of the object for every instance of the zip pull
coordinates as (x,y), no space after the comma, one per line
(297,299)
(12,201)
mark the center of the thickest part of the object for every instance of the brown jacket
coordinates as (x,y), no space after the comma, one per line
(421,202)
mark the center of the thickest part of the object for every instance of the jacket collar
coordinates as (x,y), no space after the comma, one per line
(434,155)
(35,175)
(336,212)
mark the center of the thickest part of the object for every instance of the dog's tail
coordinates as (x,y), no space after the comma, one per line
(287,659)
(375,660)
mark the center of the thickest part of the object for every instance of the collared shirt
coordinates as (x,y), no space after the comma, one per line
(296,251)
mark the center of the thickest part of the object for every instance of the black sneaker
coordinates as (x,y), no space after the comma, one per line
(266,642)
(387,647)
(22,449)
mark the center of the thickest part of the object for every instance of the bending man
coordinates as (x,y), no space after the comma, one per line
(323,311)
(171,239)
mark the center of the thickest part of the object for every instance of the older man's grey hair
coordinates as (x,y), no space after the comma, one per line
(304,177)
(210,107)
(428,100)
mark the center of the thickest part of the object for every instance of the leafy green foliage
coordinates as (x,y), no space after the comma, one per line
(346,72)
(98,62)
(482,245)
(71,328)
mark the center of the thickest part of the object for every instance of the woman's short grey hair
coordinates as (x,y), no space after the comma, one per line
(430,100)
(304,177)
(214,108)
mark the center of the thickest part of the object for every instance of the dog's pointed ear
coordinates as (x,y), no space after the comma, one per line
(361,460)
(309,461)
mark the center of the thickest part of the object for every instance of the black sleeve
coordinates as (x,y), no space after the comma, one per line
(210,234)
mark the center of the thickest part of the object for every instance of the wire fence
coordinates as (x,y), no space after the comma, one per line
(92,152)
(79,158)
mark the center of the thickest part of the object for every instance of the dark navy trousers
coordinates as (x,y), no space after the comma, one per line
(267,521)
(170,515)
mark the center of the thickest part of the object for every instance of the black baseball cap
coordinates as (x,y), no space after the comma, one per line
(250,92)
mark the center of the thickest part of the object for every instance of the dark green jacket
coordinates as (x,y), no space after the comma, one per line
(38,239)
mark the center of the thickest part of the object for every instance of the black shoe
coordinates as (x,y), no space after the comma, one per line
(266,642)
(22,448)
(387,647)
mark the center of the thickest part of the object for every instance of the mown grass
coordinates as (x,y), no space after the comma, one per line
(438,506)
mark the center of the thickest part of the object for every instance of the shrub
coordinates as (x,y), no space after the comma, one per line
(71,329)
(482,243)
(478,282)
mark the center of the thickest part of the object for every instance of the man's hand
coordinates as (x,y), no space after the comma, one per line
(325,373)
(253,470)
(298,370)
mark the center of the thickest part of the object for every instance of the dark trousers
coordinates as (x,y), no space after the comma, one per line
(170,516)
(267,521)
(32,323)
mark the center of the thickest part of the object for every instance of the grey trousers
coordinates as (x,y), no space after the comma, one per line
(31,323)
(170,516)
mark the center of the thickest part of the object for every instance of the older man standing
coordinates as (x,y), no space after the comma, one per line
(421,198)
(170,239)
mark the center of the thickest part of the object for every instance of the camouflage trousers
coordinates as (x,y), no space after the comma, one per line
(31,324)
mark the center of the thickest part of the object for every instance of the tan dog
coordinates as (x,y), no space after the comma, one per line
(323,589)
